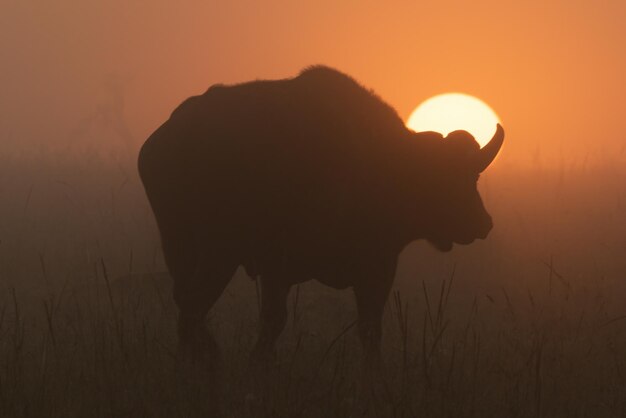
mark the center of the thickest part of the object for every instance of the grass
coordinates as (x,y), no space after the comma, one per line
(529,323)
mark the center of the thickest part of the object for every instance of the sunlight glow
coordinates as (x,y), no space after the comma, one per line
(453,111)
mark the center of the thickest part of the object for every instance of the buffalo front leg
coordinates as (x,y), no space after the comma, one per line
(371,296)
(273,318)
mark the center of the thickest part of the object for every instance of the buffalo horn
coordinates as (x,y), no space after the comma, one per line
(489,151)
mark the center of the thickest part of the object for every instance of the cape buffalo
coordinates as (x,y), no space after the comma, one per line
(312,177)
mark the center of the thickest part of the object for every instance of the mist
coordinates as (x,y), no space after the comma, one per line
(557,89)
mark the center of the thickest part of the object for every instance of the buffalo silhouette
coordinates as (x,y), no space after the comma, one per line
(312,177)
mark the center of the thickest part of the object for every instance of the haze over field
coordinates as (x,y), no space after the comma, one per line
(552,71)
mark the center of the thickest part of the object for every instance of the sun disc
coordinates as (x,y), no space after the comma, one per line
(449,112)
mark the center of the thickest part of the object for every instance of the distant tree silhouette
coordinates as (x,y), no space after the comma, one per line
(108,119)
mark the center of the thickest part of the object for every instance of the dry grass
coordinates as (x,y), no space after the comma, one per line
(529,323)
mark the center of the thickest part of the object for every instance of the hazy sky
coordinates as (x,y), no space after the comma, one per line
(554,71)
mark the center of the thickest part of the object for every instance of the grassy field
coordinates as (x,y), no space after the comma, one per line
(530,322)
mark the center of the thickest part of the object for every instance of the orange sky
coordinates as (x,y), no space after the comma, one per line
(553,72)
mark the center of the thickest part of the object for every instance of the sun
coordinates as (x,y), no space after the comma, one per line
(449,112)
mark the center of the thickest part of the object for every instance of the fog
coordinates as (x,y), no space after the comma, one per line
(533,323)
(552,72)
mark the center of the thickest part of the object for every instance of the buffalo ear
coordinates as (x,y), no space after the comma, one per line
(488,153)
(462,145)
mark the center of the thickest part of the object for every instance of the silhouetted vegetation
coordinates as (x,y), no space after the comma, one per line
(527,323)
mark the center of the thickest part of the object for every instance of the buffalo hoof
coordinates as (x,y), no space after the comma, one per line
(262,358)
(199,350)
(373,387)
(259,375)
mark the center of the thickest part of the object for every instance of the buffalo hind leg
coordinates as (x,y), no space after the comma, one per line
(195,295)
(274,291)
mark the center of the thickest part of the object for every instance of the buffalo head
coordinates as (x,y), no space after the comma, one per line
(454,209)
